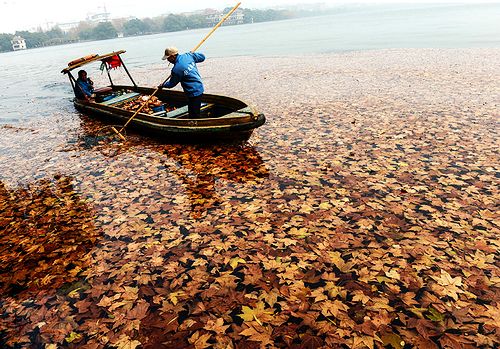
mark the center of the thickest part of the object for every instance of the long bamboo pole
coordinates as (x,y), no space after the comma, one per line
(119,133)
(217,26)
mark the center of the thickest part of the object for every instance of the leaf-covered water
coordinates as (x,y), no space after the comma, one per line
(364,213)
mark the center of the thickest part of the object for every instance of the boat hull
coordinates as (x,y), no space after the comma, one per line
(236,126)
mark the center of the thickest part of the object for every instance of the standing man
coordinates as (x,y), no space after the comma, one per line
(186,72)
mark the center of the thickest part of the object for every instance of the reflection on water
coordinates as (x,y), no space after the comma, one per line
(48,232)
(199,169)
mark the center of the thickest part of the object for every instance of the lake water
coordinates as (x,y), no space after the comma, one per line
(33,86)
(371,192)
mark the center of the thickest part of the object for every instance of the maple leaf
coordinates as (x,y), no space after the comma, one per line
(216,326)
(253,273)
(365,224)
(124,342)
(362,342)
(130,293)
(359,296)
(173,297)
(449,340)
(73,336)
(450,285)
(286,242)
(380,303)
(107,301)
(270,297)
(235,261)
(227,280)
(334,290)
(426,328)
(435,315)
(332,308)
(199,341)
(139,311)
(339,262)
(409,298)
(325,205)
(392,339)
(318,295)
(256,336)
(309,341)
(393,274)
(274,264)
(258,314)
(299,233)
(424,343)
(446,280)
(143,278)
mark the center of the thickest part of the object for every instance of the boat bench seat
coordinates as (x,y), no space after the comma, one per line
(182,111)
(122,98)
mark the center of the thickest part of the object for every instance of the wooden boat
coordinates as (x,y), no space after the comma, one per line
(222,118)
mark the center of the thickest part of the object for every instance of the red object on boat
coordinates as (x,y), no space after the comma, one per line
(113,62)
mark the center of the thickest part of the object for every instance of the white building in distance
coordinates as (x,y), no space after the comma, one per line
(18,43)
(98,17)
(213,17)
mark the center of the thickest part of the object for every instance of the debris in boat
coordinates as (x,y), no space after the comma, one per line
(154,105)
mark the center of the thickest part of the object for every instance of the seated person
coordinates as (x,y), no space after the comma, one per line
(84,88)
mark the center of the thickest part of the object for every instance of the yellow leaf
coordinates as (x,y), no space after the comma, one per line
(172,297)
(72,337)
(299,233)
(259,313)
(325,205)
(235,261)
(393,274)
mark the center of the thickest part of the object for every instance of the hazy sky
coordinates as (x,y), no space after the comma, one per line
(26,15)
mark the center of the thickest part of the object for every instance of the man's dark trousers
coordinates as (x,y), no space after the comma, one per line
(194,105)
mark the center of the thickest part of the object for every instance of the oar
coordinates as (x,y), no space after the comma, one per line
(119,133)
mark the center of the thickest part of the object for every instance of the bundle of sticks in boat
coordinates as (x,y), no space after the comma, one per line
(153,102)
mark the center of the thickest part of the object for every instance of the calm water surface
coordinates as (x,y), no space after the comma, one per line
(33,86)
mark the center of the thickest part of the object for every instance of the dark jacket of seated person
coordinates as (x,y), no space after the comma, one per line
(84,86)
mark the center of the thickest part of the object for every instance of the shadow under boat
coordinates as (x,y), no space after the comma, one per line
(199,168)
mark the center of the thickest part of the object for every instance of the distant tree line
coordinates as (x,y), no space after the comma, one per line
(56,36)
(130,27)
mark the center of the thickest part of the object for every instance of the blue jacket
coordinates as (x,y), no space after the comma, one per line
(186,72)
(83,88)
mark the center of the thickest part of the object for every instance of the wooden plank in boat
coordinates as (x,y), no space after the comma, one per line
(182,111)
(177,112)
(122,98)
